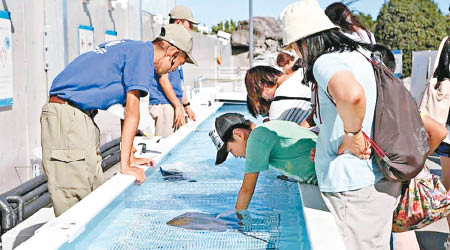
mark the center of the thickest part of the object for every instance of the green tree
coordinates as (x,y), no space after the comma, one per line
(217,27)
(229,26)
(233,25)
(448,23)
(410,25)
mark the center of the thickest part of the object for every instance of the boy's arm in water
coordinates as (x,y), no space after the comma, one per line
(247,190)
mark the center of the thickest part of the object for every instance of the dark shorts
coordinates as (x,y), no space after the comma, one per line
(443,149)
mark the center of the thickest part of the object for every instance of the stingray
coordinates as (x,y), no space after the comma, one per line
(202,221)
(173,175)
(210,222)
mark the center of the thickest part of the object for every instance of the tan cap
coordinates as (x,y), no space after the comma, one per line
(182,12)
(179,37)
(302,19)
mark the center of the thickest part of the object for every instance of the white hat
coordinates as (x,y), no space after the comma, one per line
(302,19)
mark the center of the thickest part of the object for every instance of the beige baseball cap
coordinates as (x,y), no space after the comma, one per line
(182,12)
(179,37)
(302,19)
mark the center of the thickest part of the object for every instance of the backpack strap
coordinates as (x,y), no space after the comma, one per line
(373,62)
(278,98)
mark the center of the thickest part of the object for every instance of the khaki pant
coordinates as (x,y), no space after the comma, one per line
(70,154)
(364,216)
(163,115)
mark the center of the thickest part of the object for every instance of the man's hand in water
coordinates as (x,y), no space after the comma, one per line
(134,171)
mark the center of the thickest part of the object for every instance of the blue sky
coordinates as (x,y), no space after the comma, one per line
(210,12)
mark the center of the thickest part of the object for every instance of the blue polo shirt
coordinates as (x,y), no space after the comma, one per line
(176,80)
(102,77)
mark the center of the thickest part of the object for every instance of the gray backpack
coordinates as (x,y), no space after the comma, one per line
(400,141)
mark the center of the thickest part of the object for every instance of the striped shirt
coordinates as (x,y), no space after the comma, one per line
(290,102)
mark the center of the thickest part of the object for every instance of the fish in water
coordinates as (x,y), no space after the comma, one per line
(211,222)
(202,221)
(173,175)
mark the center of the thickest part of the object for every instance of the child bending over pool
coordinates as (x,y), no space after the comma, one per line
(280,144)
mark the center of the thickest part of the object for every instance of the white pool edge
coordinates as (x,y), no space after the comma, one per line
(72,223)
(323,233)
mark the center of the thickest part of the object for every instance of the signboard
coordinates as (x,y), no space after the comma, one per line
(421,71)
(6,70)
(398,63)
(85,39)
(110,35)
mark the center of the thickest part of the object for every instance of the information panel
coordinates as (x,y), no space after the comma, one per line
(398,63)
(85,38)
(6,66)
(110,35)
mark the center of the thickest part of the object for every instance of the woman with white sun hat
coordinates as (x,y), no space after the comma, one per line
(352,186)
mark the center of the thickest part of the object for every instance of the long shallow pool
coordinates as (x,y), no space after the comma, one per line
(137,218)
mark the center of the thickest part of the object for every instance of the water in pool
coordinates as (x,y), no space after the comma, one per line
(138,218)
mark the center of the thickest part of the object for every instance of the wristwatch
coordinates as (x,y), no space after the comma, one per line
(186,104)
(352,133)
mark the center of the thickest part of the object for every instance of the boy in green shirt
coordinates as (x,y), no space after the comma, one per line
(280,144)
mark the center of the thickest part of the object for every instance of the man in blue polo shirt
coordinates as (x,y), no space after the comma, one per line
(117,72)
(168,103)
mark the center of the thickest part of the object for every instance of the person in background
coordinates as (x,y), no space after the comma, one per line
(345,97)
(281,144)
(117,72)
(168,102)
(286,60)
(340,15)
(439,131)
(288,97)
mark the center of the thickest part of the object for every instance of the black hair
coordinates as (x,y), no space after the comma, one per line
(442,70)
(325,42)
(172,20)
(340,15)
(298,64)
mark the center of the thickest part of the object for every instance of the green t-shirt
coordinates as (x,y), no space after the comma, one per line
(283,145)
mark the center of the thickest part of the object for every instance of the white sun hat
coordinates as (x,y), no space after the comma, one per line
(302,19)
